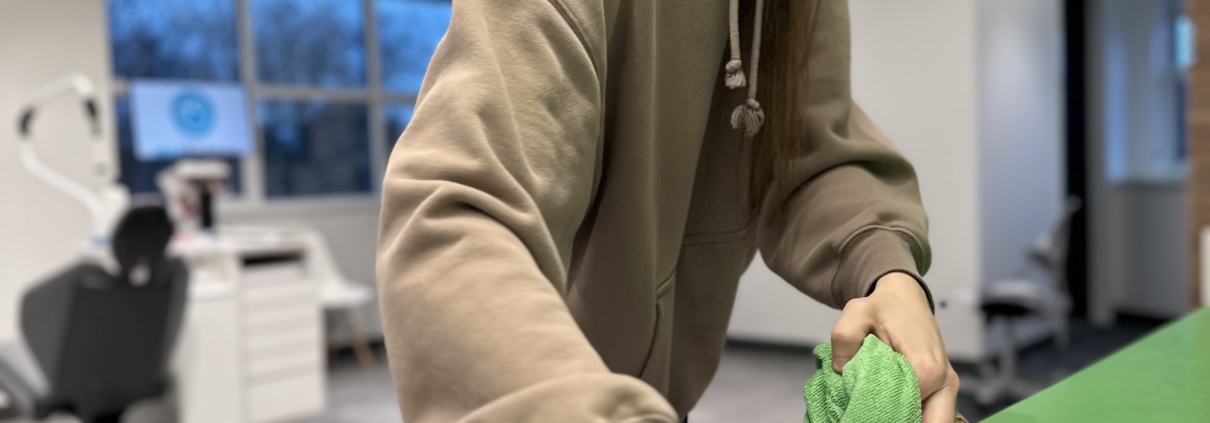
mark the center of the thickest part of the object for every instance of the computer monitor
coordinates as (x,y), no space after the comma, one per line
(174,120)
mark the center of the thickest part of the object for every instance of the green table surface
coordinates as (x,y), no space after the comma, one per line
(1164,377)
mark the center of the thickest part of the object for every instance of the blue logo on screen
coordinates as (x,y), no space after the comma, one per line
(193,113)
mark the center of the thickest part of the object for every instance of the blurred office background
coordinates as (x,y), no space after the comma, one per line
(1057,145)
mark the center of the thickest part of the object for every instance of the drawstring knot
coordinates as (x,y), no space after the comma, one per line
(735,74)
(749,117)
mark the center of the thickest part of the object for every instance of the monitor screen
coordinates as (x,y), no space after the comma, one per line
(173,120)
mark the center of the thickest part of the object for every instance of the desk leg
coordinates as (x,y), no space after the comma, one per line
(365,356)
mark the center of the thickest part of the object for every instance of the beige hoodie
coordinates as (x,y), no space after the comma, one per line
(565,220)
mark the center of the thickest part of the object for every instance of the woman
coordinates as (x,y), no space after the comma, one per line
(567,216)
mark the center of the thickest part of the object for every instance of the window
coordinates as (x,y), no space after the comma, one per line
(315,148)
(409,31)
(310,42)
(176,39)
(397,118)
(326,120)
(1184,55)
(1146,52)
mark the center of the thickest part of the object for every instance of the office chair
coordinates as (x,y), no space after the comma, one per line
(1009,300)
(101,341)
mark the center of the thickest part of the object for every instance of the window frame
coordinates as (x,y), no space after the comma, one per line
(373,96)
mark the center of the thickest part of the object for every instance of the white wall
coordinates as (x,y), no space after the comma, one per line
(915,72)
(39,230)
(1138,245)
(1021,137)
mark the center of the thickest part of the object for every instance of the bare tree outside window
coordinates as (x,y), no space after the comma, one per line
(408,33)
(310,42)
(177,39)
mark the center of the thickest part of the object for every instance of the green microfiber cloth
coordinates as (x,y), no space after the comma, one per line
(878,385)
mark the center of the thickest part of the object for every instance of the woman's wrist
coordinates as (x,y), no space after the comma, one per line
(901,285)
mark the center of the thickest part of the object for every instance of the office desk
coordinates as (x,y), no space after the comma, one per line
(1165,377)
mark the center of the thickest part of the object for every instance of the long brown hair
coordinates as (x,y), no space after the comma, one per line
(786,41)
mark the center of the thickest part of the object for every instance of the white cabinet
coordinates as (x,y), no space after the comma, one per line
(283,343)
(252,347)
(208,362)
(285,399)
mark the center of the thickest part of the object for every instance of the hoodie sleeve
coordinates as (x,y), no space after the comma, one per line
(481,200)
(854,214)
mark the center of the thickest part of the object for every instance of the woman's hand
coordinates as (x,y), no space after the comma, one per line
(897,312)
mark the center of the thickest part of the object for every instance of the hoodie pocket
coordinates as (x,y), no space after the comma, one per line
(656,369)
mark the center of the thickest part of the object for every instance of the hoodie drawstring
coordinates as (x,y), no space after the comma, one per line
(747,116)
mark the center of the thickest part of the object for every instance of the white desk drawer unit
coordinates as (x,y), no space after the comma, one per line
(263,347)
(251,349)
(284,365)
(280,400)
(280,316)
(283,342)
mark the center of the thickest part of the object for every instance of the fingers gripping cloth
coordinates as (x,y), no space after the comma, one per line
(878,385)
